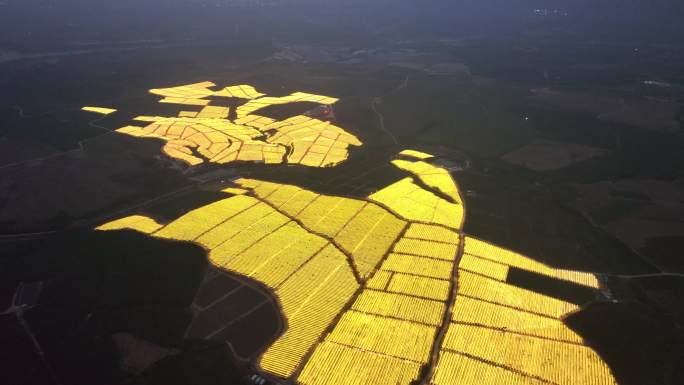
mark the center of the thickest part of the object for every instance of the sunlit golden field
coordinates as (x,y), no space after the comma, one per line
(378,290)
(209,136)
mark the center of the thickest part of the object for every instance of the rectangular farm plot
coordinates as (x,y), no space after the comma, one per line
(411,264)
(474,311)
(414,203)
(199,221)
(556,362)
(432,233)
(318,210)
(485,267)
(487,289)
(333,364)
(247,237)
(470,371)
(486,250)
(431,288)
(400,306)
(392,337)
(299,202)
(429,249)
(369,236)
(253,217)
(339,217)
(380,280)
(278,255)
(311,298)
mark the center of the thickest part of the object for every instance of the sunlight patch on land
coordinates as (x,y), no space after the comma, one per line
(396,316)
(414,203)
(494,261)
(139,223)
(433,177)
(365,284)
(209,136)
(99,110)
(416,154)
(503,334)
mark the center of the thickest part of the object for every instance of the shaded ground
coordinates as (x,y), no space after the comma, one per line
(641,337)
(546,155)
(97,284)
(645,214)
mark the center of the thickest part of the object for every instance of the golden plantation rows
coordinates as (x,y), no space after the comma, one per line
(383,290)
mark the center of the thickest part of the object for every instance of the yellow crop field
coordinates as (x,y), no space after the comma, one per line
(431,233)
(316,143)
(476,311)
(364,284)
(416,154)
(311,298)
(479,287)
(209,136)
(446,251)
(399,306)
(99,110)
(503,334)
(368,236)
(500,255)
(380,280)
(334,364)
(257,104)
(376,243)
(413,203)
(213,112)
(336,219)
(191,91)
(434,177)
(456,369)
(241,91)
(556,362)
(275,257)
(318,210)
(198,221)
(484,267)
(186,101)
(392,337)
(421,266)
(431,288)
(139,223)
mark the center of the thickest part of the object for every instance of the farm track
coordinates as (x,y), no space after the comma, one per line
(381,119)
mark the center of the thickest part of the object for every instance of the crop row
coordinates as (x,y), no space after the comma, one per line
(134,222)
(439,250)
(400,306)
(415,203)
(488,289)
(197,222)
(484,249)
(311,298)
(431,233)
(432,176)
(455,368)
(474,311)
(556,362)
(334,364)
(392,337)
